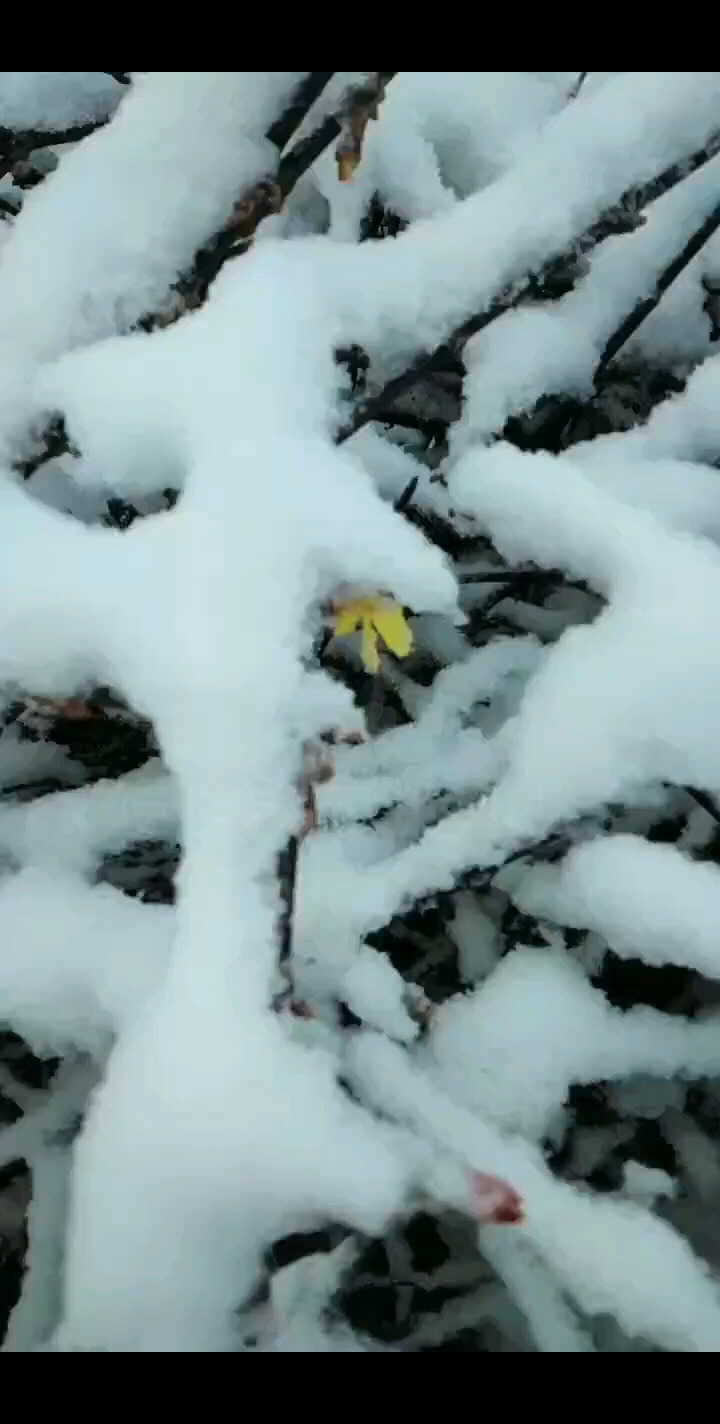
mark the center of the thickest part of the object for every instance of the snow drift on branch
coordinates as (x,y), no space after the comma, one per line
(214,1125)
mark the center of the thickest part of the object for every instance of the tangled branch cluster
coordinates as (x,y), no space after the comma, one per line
(359,775)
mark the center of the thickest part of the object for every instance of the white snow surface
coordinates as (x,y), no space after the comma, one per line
(52,100)
(213,1125)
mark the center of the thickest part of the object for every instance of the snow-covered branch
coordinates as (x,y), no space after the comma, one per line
(413,853)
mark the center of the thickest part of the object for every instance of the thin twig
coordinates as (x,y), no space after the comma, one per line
(642,309)
(403,501)
(703,799)
(318,768)
(287,876)
(523,576)
(508,576)
(364,106)
(306,94)
(551,848)
(56,443)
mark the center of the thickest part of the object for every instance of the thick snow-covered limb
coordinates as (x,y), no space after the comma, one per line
(597,536)
(611,1255)
(646,900)
(581,162)
(682,495)
(75,963)
(75,830)
(292,1147)
(54,99)
(555,348)
(513,1049)
(687,426)
(640,684)
(117,206)
(316,521)
(465,764)
(50,630)
(41,1137)
(38,1310)
(58,1109)
(434,754)
(404,766)
(206,617)
(552,1321)
(486,672)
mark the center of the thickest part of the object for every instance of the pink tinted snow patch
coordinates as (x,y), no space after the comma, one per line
(494,1201)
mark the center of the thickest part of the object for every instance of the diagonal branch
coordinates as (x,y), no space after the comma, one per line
(269,194)
(15,146)
(624,217)
(306,94)
(521,578)
(646,305)
(266,197)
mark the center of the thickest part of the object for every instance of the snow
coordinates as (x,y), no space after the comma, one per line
(611,1255)
(645,900)
(595,756)
(52,100)
(76,962)
(555,348)
(476,938)
(580,162)
(682,495)
(553,1323)
(212,1125)
(442,136)
(118,210)
(513,1049)
(75,830)
(640,682)
(238,807)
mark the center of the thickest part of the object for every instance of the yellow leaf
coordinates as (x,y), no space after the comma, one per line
(379,618)
(348,617)
(389,620)
(369,651)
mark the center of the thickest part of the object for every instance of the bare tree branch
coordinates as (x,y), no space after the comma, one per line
(269,194)
(577,86)
(306,94)
(625,217)
(15,146)
(643,308)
